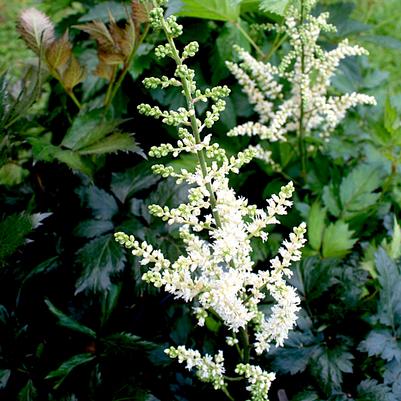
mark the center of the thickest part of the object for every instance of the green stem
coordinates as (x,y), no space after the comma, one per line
(194,126)
(110,86)
(229,396)
(248,38)
(69,92)
(301,128)
(275,46)
(245,342)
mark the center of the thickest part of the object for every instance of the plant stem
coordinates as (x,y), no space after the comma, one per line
(126,67)
(194,125)
(248,38)
(275,46)
(301,128)
(245,341)
(69,92)
(110,86)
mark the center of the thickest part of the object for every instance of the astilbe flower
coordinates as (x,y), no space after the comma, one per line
(308,69)
(216,271)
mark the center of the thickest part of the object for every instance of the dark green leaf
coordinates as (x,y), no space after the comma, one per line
(100,258)
(4,376)
(312,277)
(88,128)
(383,41)
(112,144)
(328,367)
(74,161)
(46,266)
(330,200)
(13,231)
(389,306)
(68,322)
(382,343)
(93,228)
(28,392)
(371,390)
(123,342)
(102,11)
(68,366)
(103,205)
(127,183)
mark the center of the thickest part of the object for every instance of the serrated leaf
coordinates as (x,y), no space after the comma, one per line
(74,161)
(274,6)
(13,231)
(389,305)
(392,376)
(133,180)
(312,277)
(316,223)
(330,200)
(382,343)
(102,204)
(371,390)
(4,376)
(390,115)
(88,128)
(100,258)
(220,10)
(124,342)
(329,365)
(28,392)
(12,174)
(93,228)
(337,240)
(118,142)
(102,11)
(356,190)
(68,366)
(229,36)
(68,322)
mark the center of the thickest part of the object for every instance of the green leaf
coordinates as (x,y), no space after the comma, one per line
(68,366)
(274,6)
(220,10)
(28,392)
(356,190)
(316,219)
(297,353)
(74,161)
(103,205)
(101,12)
(88,128)
(100,258)
(13,231)
(229,36)
(111,144)
(312,277)
(330,200)
(133,180)
(4,376)
(337,240)
(68,322)
(93,228)
(394,247)
(46,266)
(383,41)
(109,301)
(125,342)
(12,174)
(371,390)
(390,115)
(328,367)
(389,305)
(382,343)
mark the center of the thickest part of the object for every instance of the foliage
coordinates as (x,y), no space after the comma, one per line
(76,320)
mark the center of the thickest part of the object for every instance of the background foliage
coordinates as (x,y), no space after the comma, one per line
(77,323)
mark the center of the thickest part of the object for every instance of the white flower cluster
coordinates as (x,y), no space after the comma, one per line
(216,271)
(259,381)
(208,369)
(308,70)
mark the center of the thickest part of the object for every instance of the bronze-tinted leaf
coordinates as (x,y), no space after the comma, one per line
(73,74)
(59,52)
(99,32)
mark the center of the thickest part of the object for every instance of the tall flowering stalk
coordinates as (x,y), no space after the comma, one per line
(308,69)
(216,272)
